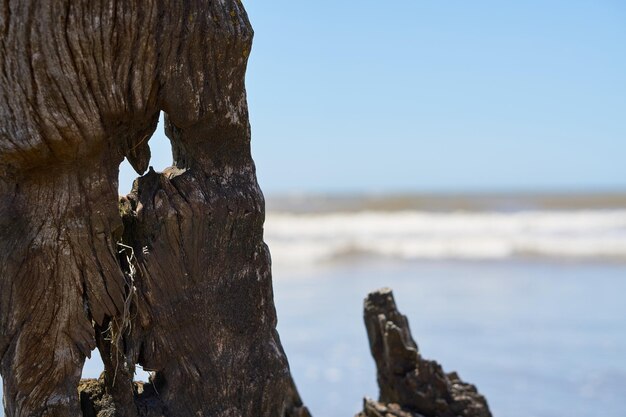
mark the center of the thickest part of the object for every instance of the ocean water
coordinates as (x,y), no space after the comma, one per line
(311,238)
(522,295)
(538,337)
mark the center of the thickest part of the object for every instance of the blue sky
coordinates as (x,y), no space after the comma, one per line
(410,95)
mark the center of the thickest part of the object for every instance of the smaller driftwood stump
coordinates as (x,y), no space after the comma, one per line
(410,385)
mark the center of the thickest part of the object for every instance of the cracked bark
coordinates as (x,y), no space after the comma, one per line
(189,295)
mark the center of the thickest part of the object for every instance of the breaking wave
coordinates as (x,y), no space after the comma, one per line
(318,237)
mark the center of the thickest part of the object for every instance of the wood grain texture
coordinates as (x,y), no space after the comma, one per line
(176,276)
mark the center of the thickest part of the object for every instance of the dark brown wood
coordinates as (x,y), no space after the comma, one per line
(176,277)
(409,384)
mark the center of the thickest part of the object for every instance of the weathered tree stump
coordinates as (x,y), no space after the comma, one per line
(179,280)
(411,386)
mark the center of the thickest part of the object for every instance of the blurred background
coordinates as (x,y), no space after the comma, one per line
(470,155)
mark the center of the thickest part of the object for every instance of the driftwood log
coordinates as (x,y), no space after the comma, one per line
(411,386)
(178,280)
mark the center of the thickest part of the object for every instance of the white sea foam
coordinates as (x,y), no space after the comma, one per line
(317,237)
